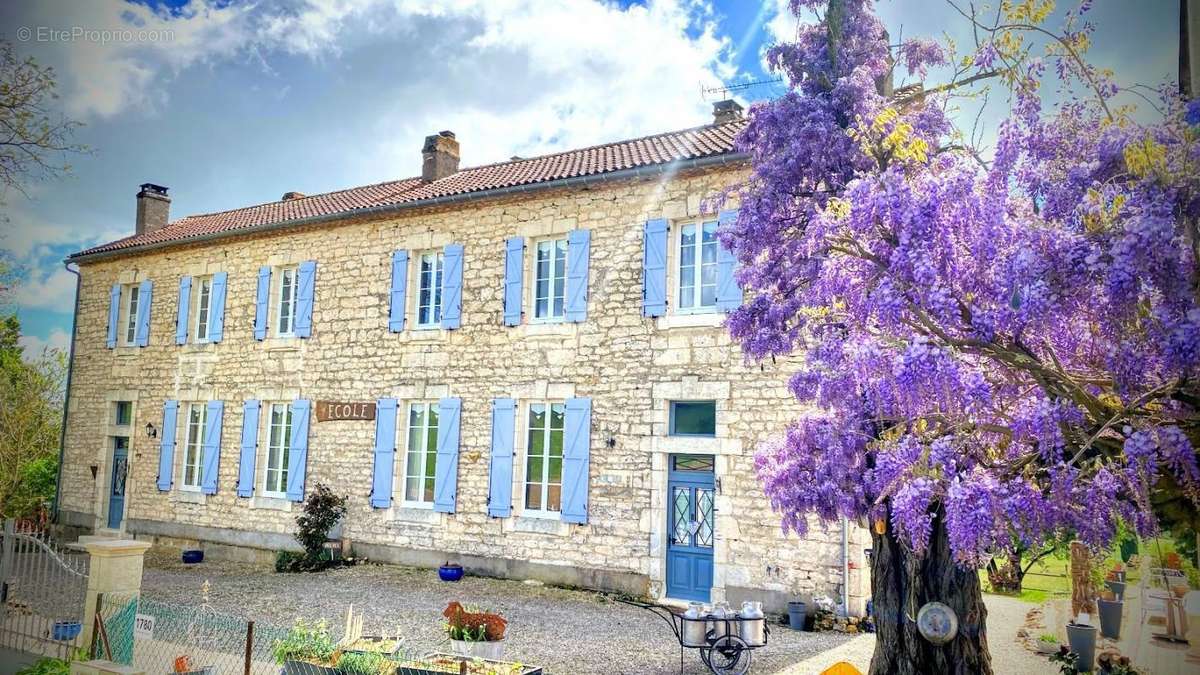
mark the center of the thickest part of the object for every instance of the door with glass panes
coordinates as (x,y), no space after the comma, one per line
(690,527)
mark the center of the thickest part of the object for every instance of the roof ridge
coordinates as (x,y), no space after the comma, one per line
(295,200)
(623,141)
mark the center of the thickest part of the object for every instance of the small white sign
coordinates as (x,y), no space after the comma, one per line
(143,626)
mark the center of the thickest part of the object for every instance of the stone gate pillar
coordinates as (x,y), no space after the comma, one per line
(115,567)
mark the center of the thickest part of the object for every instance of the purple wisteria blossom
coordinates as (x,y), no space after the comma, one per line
(1014,346)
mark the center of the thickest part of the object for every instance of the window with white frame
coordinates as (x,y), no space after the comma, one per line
(279,442)
(696,267)
(429,289)
(202,288)
(132,295)
(285,302)
(549,279)
(193,448)
(420,461)
(543,458)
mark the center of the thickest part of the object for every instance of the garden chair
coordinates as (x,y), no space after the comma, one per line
(1155,589)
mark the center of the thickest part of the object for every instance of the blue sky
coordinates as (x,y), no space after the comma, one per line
(232,103)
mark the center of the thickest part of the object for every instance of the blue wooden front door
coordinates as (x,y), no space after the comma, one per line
(116,492)
(690,531)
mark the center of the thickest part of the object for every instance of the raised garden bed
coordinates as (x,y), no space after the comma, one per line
(449,664)
(371,643)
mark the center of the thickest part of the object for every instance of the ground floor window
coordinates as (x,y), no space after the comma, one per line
(420,462)
(279,441)
(193,449)
(543,461)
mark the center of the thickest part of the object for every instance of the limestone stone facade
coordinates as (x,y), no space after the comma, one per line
(630,366)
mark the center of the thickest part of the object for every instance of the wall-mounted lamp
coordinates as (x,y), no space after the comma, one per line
(151,432)
(94,469)
(611,442)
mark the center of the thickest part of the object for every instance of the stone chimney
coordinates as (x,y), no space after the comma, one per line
(726,111)
(440,155)
(153,208)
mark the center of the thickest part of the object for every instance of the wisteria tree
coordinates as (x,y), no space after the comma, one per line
(1001,348)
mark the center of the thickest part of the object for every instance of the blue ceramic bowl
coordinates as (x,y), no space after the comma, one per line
(450,572)
(64,631)
(192,557)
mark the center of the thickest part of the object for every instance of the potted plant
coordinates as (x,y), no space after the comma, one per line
(1118,572)
(476,634)
(1047,643)
(450,572)
(307,649)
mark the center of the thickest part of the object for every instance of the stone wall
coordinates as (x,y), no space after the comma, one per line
(629,365)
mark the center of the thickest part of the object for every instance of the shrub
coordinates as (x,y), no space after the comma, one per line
(47,666)
(322,510)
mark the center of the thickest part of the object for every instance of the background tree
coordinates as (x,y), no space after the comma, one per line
(35,138)
(999,352)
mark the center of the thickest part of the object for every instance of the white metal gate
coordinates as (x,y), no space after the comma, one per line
(43,589)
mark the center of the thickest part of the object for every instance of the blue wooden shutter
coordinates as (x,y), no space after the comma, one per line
(452,281)
(399,286)
(114,314)
(579,249)
(166,446)
(577,443)
(142,334)
(262,300)
(249,449)
(305,293)
(729,293)
(298,452)
(514,270)
(181,318)
(385,453)
(216,307)
(445,478)
(500,473)
(211,444)
(654,268)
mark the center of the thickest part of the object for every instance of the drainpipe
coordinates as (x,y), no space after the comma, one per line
(845,568)
(62,437)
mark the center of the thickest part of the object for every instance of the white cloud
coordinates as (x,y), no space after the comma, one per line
(49,288)
(34,346)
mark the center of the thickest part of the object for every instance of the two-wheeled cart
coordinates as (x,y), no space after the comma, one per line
(725,643)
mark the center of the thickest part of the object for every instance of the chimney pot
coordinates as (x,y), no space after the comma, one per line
(153,208)
(439,156)
(726,111)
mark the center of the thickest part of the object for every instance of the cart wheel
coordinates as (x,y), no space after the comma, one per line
(729,655)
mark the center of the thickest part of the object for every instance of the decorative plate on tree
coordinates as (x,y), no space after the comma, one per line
(937,623)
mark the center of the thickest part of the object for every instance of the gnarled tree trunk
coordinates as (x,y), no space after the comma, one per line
(899,647)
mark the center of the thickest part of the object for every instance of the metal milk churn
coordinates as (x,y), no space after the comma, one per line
(695,626)
(752,628)
(719,624)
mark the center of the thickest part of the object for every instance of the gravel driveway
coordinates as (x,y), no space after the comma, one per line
(564,631)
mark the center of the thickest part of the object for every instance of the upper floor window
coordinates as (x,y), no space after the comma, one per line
(543,461)
(693,418)
(697,267)
(123,413)
(285,306)
(279,445)
(550,279)
(420,462)
(429,295)
(202,287)
(193,449)
(129,312)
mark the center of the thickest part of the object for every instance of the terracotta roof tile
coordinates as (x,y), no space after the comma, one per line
(596,160)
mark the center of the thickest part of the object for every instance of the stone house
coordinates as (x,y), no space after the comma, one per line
(521,367)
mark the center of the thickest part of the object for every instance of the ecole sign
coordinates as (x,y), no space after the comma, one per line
(329,411)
